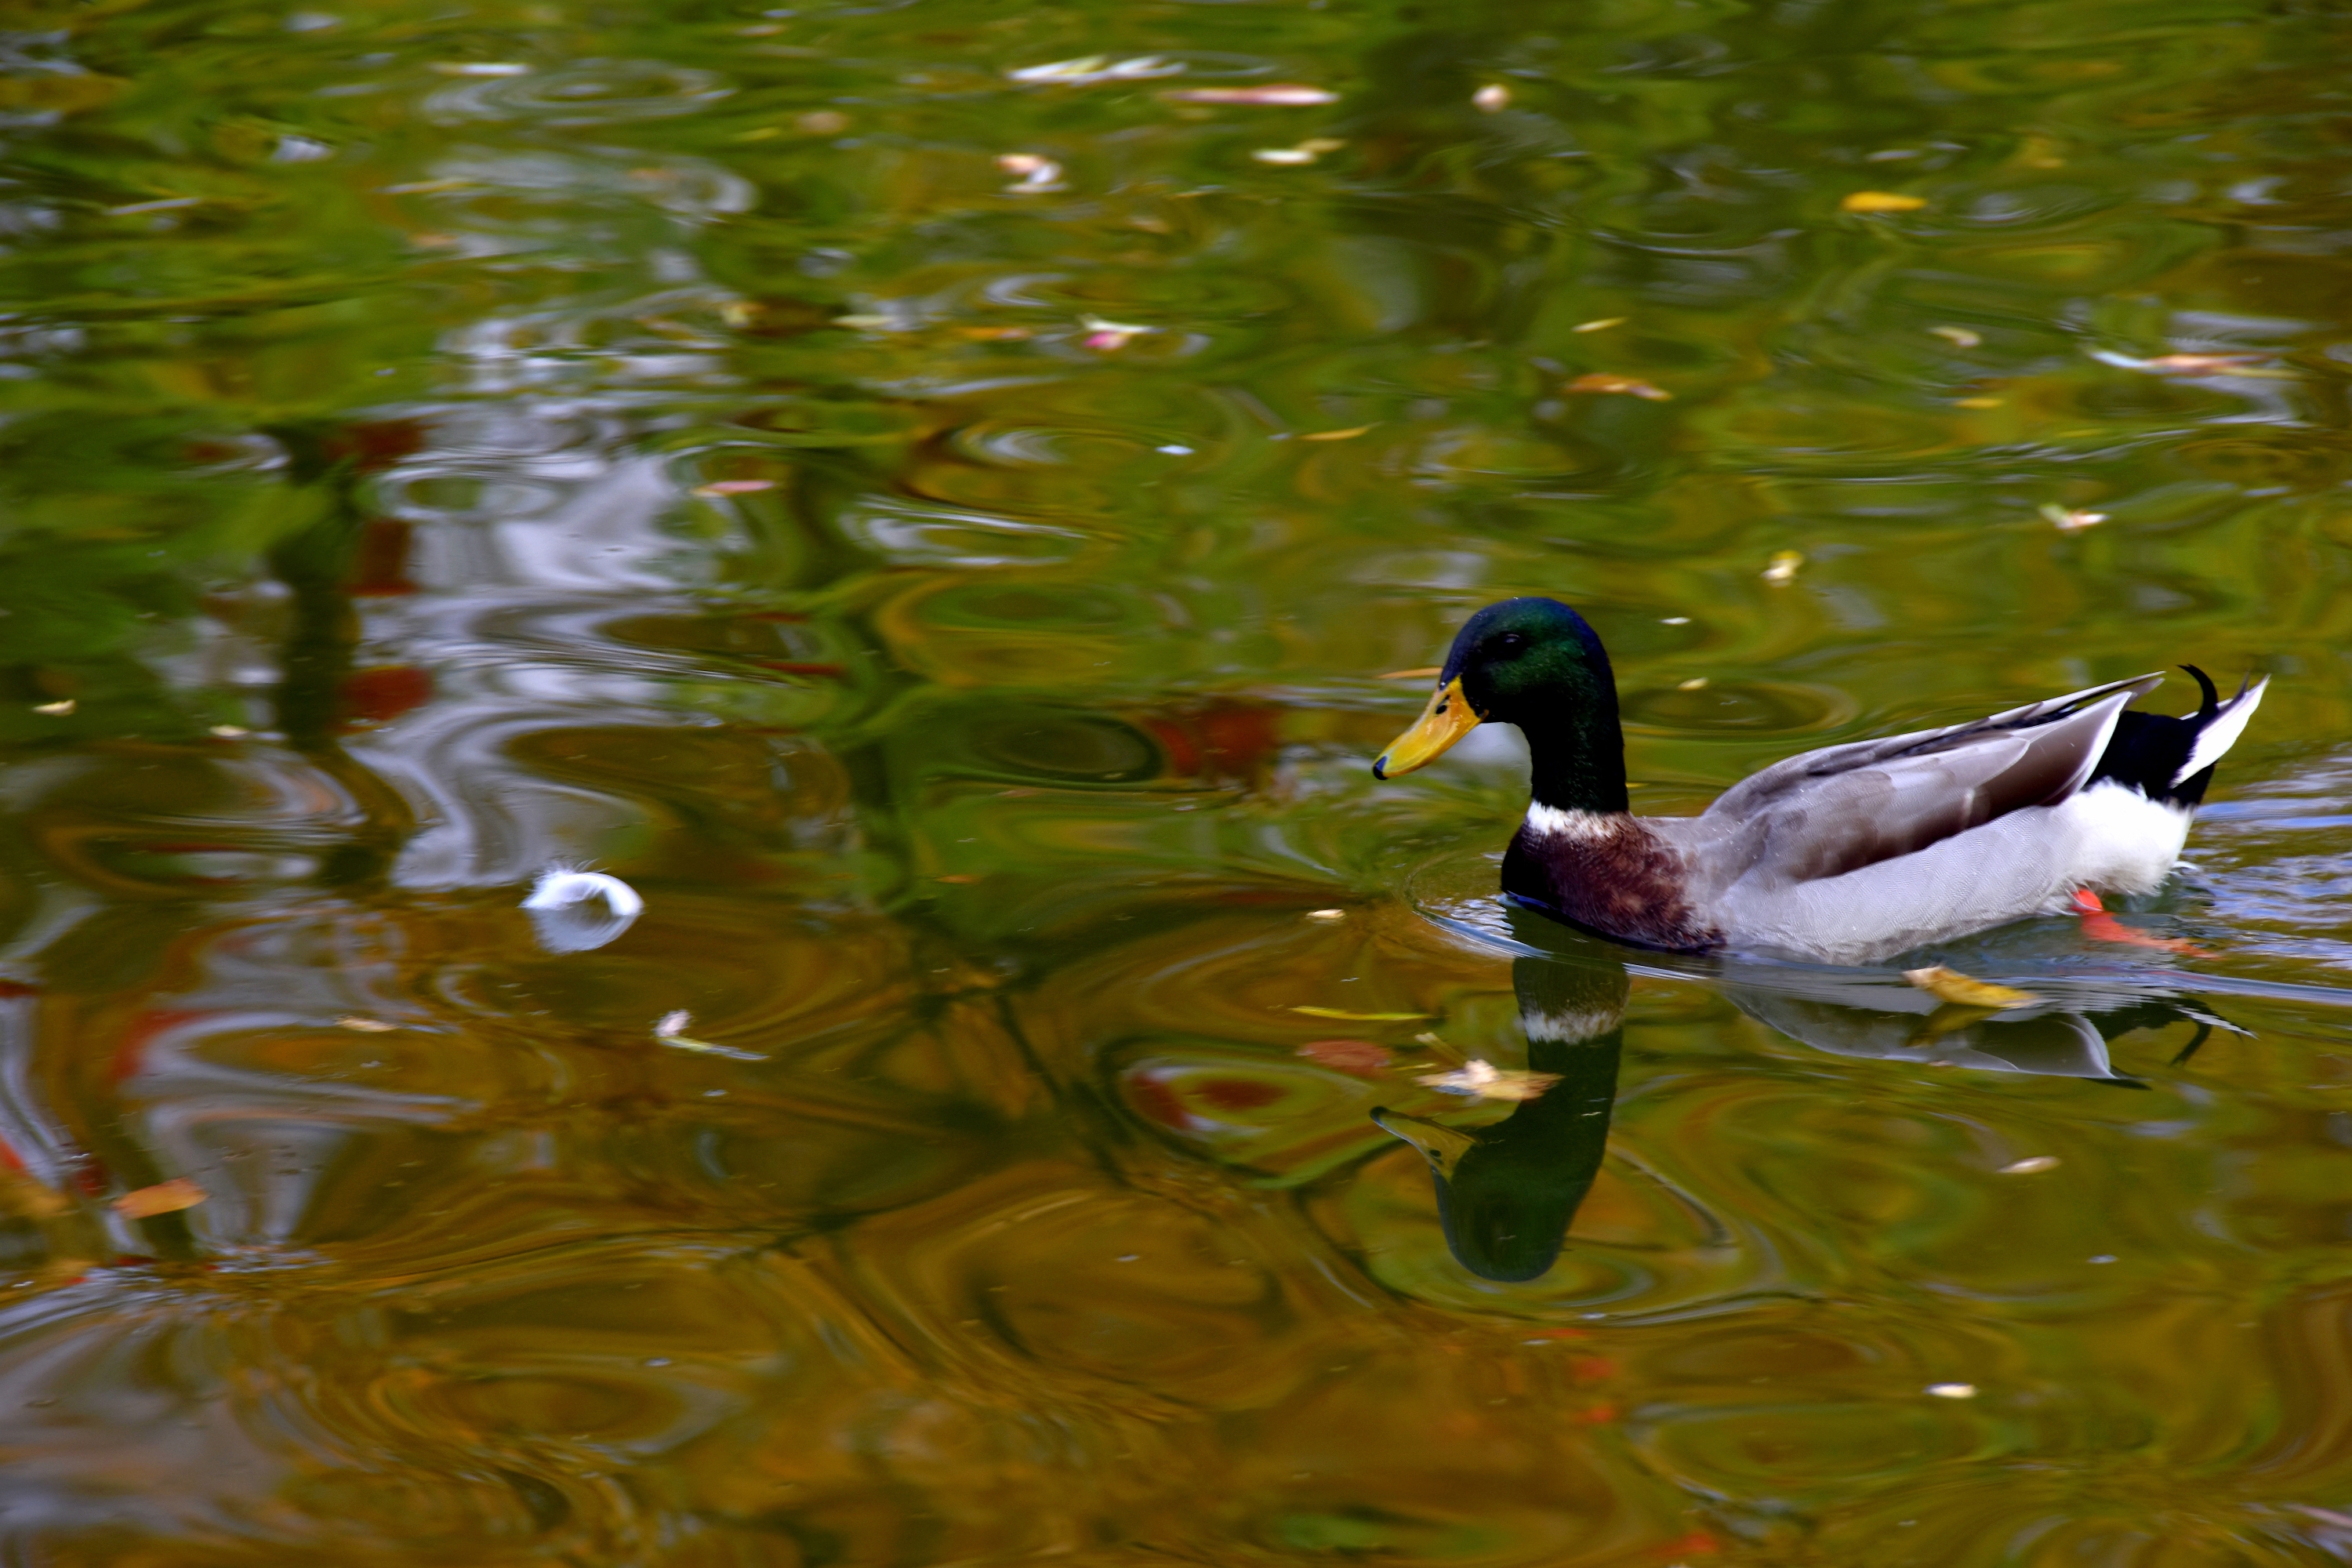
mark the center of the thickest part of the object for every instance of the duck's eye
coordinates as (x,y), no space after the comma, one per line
(1510,642)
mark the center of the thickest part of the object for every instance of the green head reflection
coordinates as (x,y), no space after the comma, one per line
(1507,1193)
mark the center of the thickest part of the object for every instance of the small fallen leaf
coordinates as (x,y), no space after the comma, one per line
(167,204)
(1361,1057)
(994,334)
(1952,986)
(2028,1167)
(1695,683)
(1277,94)
(1953,1390)
(1783,567)
(1881,202)
(55,710)
(1631,386)
(366,1026)
(2200,364)
(1109,337)
(1307,151)
(1481,1079)
(1346,1016)
(1348,435)
(1327,914)
(1960,335)
(671,1031)
(164,1197)
(2237,365)
(1037,175)
(866,323)
(2072,520)
(1978,402)
(1088,69)
(1492,98)
(230,732)
(1602,325)
(734,487)
(1426,672)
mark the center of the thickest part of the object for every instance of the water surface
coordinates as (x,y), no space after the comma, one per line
(925,494)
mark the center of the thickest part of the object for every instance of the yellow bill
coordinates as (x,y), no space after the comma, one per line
(1446,720)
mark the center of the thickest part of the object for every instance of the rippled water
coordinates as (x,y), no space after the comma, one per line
(933,525)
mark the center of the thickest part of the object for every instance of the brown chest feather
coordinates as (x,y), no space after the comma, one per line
(1616,878)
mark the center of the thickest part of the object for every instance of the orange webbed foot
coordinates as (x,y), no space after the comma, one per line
(2100,926)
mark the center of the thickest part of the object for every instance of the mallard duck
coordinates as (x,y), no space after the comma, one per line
(1845,854)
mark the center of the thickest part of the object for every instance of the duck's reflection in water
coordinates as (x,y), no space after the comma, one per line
(1508,1194)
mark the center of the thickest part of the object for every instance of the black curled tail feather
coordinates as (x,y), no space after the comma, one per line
(2209,703)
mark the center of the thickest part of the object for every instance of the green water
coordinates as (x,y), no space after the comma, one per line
(438,443)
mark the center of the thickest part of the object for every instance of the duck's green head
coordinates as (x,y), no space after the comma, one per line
(1532,662)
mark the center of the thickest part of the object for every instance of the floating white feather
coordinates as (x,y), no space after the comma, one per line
(574,911)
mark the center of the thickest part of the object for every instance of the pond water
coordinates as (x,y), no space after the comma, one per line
(925,495)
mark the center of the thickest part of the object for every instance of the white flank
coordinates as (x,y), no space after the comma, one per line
(1549,821)
(2122,841)
(2222,734)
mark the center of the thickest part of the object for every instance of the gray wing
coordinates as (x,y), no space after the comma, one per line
(1834,810)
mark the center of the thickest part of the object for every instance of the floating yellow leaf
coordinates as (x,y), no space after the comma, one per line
(1962,336)
(1783,567)
(55,710)
(1349,435)
(1629,386)
(1881,202)
(1602,325)
(1344,1014)
(1695,683)
(164,1197)
(733,488)
(2031,1166)
(365,1026)
(1978,402)
(1952,986)
(1482,1079)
